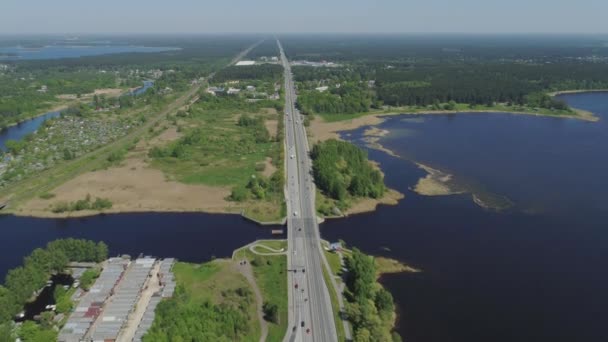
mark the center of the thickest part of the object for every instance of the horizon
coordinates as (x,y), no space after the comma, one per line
(314,16)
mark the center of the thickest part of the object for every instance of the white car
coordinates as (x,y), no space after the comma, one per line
(295,213)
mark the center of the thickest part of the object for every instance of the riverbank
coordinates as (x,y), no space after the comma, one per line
(577,91)
(322,129)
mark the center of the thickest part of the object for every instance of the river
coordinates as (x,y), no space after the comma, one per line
(20,130)
(533,272)
(194,237)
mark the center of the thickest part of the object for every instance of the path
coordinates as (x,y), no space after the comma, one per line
(244,267)
(272,250)
(150,287)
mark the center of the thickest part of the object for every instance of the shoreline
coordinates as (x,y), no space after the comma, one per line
(577,91)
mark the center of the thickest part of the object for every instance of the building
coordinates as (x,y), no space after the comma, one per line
(335,247)
(250,88)
(215,90)
(322,89)
(244,63)
(233,91)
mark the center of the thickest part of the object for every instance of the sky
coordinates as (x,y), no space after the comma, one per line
(283,16)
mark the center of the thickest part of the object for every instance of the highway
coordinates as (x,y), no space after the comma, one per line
(310,312)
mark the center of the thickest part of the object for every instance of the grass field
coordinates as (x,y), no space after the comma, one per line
(271,277)
(47,180)
(210,282)
(335,306)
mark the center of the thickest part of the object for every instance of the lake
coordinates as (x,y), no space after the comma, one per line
(72,51)
(533,272)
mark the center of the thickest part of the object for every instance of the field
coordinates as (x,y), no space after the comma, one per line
(271,277)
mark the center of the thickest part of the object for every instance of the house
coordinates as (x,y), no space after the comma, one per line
(233,91)
(322,89)
(43,89)
(250,88)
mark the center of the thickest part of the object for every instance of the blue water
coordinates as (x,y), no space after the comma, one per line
(17,132)
(20,130)
(534,272)
(63,51)
(194,237)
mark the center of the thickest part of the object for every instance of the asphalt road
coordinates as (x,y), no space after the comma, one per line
(310,312)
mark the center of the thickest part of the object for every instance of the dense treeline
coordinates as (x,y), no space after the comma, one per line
(23,281)
(263,72)
(448,48)
(341,169)
(370,307)
(348,98)
(433,70)
(268,48)
(484,84)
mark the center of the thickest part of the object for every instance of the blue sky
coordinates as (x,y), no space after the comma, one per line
(176,16)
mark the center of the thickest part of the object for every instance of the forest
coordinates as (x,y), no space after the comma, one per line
(370,307)
(425,71)
(21,282)
(262,72)
(342,170)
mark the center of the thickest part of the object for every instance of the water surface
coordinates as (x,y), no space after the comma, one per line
(534,272)
(193,237)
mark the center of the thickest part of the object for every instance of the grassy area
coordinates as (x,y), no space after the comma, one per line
(335,306)
(274,244)
(47,180)
(271,277)
(217,283)
(226,142)
(333,259)
(265,211)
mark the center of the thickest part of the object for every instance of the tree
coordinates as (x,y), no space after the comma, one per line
(271,312)
(361,275)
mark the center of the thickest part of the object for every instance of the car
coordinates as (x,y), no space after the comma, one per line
(296,286)
(303,271)
(308,331)
(302,324)
(295,213)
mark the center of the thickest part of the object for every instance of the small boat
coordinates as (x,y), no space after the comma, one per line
(3,205)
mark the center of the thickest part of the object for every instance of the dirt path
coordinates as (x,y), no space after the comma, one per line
(152,286)
(272,250)
(245,269)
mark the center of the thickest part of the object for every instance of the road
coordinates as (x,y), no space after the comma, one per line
(310,312)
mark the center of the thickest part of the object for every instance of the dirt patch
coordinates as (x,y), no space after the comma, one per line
(436,183)
(321,130)
(167,136)
(107,92)
(391,197)
(269,168)
(272,126)
(133,187)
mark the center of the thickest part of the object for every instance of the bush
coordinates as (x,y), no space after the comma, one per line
(271,312)
(46,195)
